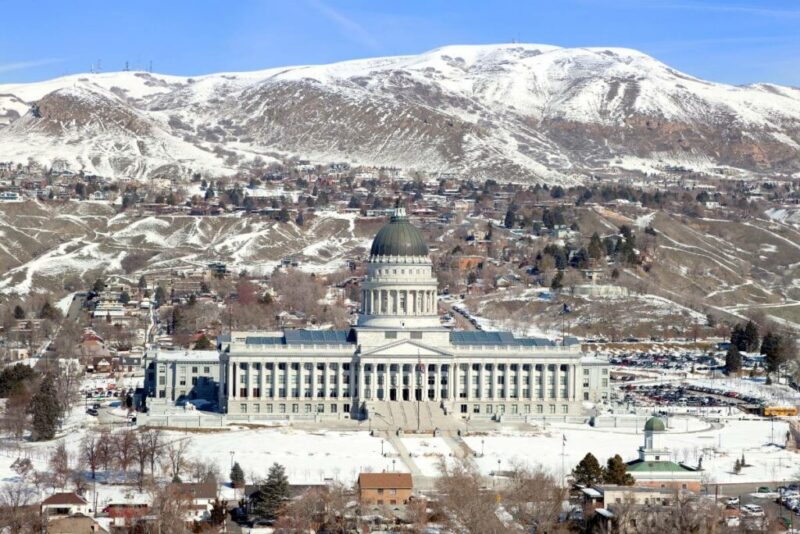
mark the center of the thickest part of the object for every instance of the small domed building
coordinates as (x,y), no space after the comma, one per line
(398,365)
(654,467)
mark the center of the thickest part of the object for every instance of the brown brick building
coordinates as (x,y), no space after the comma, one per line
(384,488)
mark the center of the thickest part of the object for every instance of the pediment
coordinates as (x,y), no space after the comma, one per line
(406,348)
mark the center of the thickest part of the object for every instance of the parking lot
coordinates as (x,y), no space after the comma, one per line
(675,395)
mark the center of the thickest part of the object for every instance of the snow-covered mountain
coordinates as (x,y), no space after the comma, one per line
(517,111)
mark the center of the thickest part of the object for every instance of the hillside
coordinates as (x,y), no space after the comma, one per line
(521,112)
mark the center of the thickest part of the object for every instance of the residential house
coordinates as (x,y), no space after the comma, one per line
(384,488)
(64,504)
(200,498)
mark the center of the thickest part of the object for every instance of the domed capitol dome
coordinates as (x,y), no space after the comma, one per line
(400,288)
(398,239)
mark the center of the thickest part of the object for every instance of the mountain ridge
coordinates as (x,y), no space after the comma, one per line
(508,112)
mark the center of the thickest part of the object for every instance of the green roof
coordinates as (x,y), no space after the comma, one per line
(640,466)
(399,238)
(655,424)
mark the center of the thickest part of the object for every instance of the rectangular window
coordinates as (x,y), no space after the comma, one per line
(269,408)
(564,408)
(552,408)
(207,370)
(243,408)
(282,408)
(390,335)
(194,370)
(416,335)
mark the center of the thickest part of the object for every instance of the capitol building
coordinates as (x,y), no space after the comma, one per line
(398,365)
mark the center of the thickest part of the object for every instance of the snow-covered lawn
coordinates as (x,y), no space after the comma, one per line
(309,457)
(748,437)
(427,452)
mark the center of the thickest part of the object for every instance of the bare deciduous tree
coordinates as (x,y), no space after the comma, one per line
(469,507)
(177,457)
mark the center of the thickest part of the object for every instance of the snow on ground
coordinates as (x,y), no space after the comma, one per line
(64,304)
(427,452)
(308,456)
(736,437)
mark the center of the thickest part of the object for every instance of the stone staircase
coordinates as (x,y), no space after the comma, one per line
(404,415)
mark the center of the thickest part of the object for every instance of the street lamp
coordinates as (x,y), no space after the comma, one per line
(382,448)
(393,469)
(232,453)
(482,448)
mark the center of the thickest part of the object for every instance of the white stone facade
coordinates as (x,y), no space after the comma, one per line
(398,352)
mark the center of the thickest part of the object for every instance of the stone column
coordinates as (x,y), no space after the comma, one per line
(262,380)
(229,379)
(274,380)
(494,381)
(507,387)
(360,381)
(437,393)
(314,379)
(520,375)
(481,380)
(468,381)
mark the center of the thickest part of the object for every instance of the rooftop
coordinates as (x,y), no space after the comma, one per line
(385,480)
(642,466)
(398,237)
(58,499)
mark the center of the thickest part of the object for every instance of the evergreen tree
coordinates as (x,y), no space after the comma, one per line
(273,493)
(203,343)
(733,360)
(555,284)
(160,295)
(751,336)
(596,250)
(45,411)
(737,467)
(588,471)
(299,220)
(209,194)
(237,476)
(142,283)
(19,313)
(508,222)
(777,350)
(124,297)
(47,311)
(616,472)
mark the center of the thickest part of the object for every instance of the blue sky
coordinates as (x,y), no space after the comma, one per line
(727,41)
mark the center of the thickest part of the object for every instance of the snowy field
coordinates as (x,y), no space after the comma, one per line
(426,452)
(308,456)
(750,437)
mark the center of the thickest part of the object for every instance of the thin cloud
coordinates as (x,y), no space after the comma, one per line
(346,25)
(730,8)
(22,65)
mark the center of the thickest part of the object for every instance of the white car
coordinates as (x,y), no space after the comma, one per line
(753,510)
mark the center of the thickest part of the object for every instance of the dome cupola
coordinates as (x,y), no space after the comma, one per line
(398,239)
